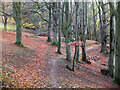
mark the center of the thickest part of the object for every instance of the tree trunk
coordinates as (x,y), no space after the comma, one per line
(84,58)
(77,47)
(67,32)
(4,18)
(94,21)
(116,62)
(59,30)
(55,22)
(111,55)
(49,24)
(18,18)
(103,32)
(117,46)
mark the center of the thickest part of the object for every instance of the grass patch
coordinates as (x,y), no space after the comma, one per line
(62,58)
(9,27)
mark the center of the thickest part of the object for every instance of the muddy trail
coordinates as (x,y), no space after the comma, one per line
(39,66)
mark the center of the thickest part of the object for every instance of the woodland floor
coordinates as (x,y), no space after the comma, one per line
(39,66)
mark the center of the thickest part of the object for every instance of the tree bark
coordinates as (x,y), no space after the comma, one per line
(103,32)
(84,58)
(67,32)
(117,46)
(59,30)
(111,55)
(55,22)
(18,18)
(49,24)
(94,22)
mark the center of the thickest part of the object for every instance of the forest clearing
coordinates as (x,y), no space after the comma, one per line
(61,44)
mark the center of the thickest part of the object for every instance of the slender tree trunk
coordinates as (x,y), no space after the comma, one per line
(18,18)
(111,55)
(59,30)
(4,18)
(84,58)
(49,24)
(94,21)
(77,47)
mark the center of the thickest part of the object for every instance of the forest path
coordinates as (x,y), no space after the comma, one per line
(39,66)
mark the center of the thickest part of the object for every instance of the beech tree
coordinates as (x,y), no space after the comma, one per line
(49,23)
(111,42)
(55,22)
(115,8)
(67,32)
(94,21)
(17,14)
(103,31)
(59,29)
(84,58)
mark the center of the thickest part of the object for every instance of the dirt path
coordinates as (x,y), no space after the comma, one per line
(39,66)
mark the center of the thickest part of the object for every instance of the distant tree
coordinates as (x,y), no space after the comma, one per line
(4,19)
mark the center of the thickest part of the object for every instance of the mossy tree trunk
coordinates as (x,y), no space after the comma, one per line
(94,21)
(67,32)
(18,18)
(111,55)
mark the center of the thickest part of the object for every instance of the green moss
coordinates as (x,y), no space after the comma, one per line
(79,62)
(69,60)
(116,81)
(9,27)
(20,44)
(55,44)
(49,40)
